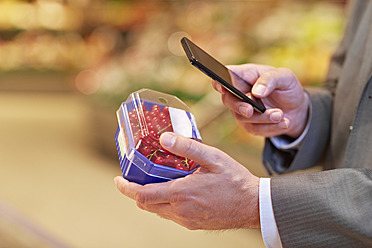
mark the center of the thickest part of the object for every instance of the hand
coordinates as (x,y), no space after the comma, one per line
(286,102)
(221,194)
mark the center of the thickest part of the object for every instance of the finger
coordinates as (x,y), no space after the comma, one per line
(239,83)
(244,111)
(167,211)
(249,72)
(267,130)
(276,79)
(159,208)
(147,194)
(270,116)
(127,188)
(218,87)
(208,157)
(237,105)
(180,220)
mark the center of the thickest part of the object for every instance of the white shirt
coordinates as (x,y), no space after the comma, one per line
(269,230)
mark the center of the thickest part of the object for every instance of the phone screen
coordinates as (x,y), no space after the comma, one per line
(218,72)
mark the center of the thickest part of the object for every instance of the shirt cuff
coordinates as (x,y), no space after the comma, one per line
(269,229)
(284,144)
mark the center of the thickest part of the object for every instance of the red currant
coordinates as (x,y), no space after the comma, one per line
(155,145)
(157,122)
(180,166)
(166,110)
(156,109)
(154,135)
(162,116)
(159,160)
(146,150)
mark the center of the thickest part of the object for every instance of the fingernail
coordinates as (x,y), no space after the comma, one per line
(116,180)
(276,116)
(259,89)
(243,110)
(168,139)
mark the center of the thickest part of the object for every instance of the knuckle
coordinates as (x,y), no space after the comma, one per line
(212,155)
(191,148)
(182,213)
(141,199)
(285,71)
(288,75)
(269,78)
(216,156)
(141,206)
(176,197)
(271,73)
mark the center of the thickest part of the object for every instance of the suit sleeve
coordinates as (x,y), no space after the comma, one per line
(324,209)
(329,208)
(314,144)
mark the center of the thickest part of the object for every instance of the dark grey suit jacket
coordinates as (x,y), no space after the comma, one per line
(332,208)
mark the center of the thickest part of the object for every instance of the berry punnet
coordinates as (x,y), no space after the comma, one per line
(147,126)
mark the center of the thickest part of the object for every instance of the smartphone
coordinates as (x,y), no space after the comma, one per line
(218,72)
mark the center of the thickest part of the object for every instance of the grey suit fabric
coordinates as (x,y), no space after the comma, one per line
(332,208)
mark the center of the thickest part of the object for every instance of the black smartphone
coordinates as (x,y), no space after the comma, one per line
(218,72)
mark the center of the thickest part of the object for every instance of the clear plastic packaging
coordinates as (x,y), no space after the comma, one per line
(142,119)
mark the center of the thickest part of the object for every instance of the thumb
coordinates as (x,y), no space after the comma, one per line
(205,156)
(265,84)
(276,79)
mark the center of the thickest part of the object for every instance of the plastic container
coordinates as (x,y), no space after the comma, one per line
(142,119)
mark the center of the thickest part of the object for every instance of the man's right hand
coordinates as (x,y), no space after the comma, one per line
(286,101)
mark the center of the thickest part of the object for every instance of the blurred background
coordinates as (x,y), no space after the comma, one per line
(65,67)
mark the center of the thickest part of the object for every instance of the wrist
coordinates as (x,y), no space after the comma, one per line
(252,211)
